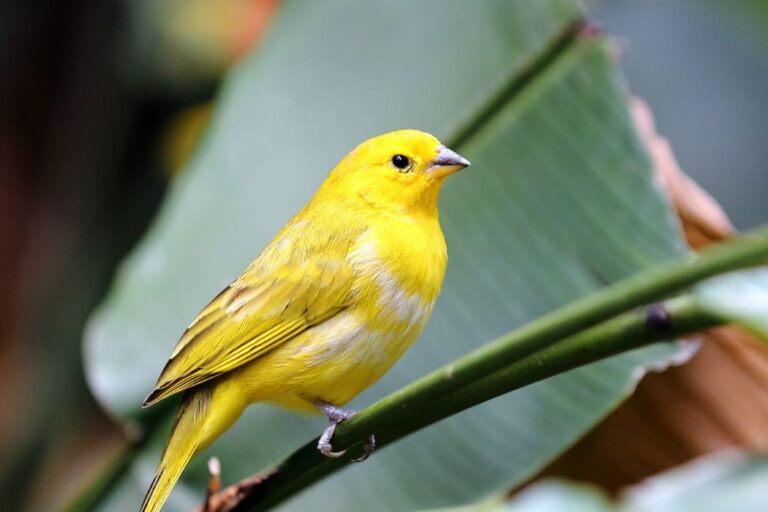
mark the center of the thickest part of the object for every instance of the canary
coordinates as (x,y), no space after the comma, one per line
(326,309)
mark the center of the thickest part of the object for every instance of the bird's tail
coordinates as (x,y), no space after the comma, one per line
(184,441)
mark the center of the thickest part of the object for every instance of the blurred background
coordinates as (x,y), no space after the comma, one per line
(703,67)
(101,102)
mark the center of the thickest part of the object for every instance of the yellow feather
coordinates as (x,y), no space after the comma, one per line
(328,307)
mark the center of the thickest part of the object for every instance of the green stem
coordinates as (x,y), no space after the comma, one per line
(471,370)
(635,291)
(675,318)
(626,332)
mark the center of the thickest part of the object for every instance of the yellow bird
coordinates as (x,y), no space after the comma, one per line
(328,307)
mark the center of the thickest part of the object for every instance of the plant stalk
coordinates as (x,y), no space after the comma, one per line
(626,332)
(473,370)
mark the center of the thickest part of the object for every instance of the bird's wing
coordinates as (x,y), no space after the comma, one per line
(251,317)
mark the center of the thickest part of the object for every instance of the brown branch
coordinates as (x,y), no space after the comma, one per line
(214,482)
(229,499)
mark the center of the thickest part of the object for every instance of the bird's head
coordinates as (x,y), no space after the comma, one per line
(400,170)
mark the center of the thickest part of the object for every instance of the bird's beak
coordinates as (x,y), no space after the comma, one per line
(446,163)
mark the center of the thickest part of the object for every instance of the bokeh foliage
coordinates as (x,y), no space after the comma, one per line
(728,480)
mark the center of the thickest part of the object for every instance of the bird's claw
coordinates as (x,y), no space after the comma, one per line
(327,450)
(337,415)
(368,447)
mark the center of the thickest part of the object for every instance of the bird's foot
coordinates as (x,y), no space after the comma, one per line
(324,444)
(368,447)
(336,416)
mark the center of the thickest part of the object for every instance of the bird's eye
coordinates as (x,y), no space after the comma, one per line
(401,162)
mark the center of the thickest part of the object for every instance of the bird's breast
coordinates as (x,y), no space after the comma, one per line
(394,291)
(397,276)
(398,272)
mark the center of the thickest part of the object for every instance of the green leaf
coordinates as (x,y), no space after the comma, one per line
(559,202)
(724,481)
(728,480)
(740,297)
(554,496)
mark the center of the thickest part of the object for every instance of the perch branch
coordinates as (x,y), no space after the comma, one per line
(430,398)
(526,355)
(674,318)
(623,333)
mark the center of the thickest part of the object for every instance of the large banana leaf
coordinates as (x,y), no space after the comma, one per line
(559,201)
